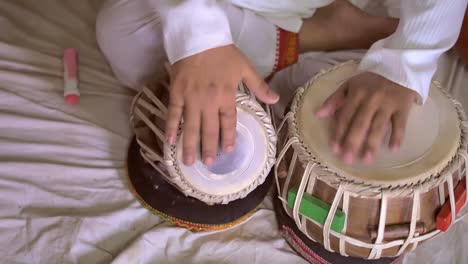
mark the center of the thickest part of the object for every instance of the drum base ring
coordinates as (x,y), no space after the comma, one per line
(164,200)
(312,251)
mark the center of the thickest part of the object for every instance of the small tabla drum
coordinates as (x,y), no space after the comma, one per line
(374,212)
(198,197)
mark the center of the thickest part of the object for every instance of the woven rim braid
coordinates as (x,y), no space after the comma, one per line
(175,176)
(369,188)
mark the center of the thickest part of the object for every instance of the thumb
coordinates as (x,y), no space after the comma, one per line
(332,103)
(260,88)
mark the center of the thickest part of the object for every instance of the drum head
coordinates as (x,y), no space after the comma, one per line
(231,172)
(233,175)
(431,140)
(165,200)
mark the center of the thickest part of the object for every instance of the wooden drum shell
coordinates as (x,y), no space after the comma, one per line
(364,211)
(409,207)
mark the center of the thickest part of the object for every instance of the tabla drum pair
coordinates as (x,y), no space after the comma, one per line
(198,197)
(330,212)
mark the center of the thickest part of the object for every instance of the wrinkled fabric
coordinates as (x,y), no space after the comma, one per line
(63,186)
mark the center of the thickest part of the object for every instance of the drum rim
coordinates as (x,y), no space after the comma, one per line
(248,104)
(373,187)
(245,102)
(140,179)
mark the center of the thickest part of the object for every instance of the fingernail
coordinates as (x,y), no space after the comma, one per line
(208,161)
(229,149)
(394,148)
(336,148)
(170,140)
(322,112)
(319,113)
(189,160)
(275,96)
(368,157)
(348,158)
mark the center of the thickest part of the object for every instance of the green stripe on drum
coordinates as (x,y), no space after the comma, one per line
(316,209)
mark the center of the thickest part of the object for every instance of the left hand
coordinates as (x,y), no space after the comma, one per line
(364,107)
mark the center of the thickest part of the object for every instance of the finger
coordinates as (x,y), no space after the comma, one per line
(399,121)
(376,135)
(174,114)
(259,87)
(228,120)
(210,134)
(192,115)
(343,120)
(358,129)
(332,103)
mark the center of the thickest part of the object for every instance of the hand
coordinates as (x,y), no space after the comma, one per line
(364,107)
(203,90)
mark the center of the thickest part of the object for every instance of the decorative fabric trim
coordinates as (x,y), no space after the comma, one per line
(287,50)
(296,243)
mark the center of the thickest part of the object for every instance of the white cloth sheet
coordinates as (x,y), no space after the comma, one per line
(63,192)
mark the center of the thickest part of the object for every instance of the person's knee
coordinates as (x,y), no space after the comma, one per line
(107,35)
(131,40)
(119,20)
(104,22)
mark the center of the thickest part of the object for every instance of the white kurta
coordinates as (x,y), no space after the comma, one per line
(409,57)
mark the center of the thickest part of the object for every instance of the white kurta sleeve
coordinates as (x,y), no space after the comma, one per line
(409,57)
(191,26)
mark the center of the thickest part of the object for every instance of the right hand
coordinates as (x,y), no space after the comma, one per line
(203,90)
